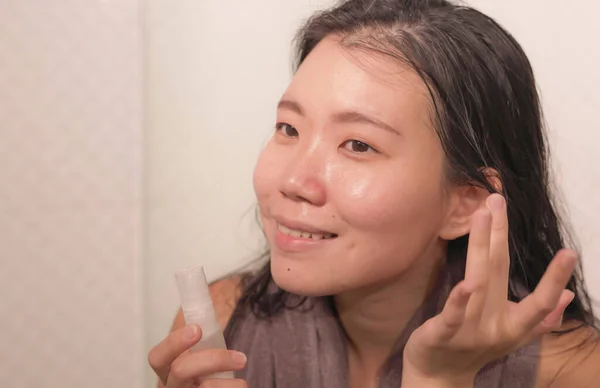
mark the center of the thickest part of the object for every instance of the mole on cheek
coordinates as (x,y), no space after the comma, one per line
(288,270)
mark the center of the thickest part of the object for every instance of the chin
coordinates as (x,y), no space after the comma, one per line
(301,279)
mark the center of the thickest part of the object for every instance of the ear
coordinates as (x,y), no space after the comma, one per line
(464,202)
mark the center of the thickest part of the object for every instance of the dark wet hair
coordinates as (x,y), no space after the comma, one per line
(486,111)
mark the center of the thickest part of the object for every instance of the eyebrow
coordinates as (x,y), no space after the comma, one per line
(341,117)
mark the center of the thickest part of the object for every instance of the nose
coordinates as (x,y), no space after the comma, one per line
(303,179)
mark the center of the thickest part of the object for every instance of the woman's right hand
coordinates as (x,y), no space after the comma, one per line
(178,367)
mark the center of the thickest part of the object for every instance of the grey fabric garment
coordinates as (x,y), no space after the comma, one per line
(306,348)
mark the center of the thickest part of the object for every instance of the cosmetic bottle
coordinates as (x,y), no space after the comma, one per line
(197,307)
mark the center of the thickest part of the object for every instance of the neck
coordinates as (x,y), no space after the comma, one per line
(375,316)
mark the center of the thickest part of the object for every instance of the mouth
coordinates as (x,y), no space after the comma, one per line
(305,234)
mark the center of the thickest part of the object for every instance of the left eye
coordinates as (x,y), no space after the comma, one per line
(358,147)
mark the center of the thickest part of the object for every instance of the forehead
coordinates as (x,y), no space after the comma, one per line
(338,77)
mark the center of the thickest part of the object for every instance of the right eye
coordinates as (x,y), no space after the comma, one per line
(286,130)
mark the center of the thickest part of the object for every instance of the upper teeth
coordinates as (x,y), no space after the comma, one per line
(299,233)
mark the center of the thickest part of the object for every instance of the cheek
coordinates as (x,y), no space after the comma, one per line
(390,222)
(392,200)
(400,207)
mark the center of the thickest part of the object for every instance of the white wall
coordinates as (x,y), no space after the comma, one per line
(70,126)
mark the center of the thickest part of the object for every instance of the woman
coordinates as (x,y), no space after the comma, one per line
(409,139)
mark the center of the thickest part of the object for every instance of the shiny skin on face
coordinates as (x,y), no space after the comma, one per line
(351,185)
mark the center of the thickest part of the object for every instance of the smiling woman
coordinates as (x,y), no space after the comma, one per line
(413,239)
(330,168)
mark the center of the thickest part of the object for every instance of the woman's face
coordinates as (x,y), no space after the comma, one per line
(351,185)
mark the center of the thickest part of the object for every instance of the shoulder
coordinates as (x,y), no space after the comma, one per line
(570,360)
(225,294)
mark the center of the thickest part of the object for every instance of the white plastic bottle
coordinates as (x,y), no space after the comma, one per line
(198,309)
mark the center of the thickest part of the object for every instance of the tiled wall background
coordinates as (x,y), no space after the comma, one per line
(70,126)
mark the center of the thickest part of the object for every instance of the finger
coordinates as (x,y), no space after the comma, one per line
(499,263)
(224,383)
(162,355)
(452,317)
(553,321)
(204,363)
(477,267)
(544,299)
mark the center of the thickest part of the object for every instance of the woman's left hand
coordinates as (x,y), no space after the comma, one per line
(478,324)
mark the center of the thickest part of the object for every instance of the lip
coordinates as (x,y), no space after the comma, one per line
(290,244)
(300,226)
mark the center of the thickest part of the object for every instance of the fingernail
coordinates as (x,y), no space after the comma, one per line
(239,358)
(570,259)
(190,332)
(496,203)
